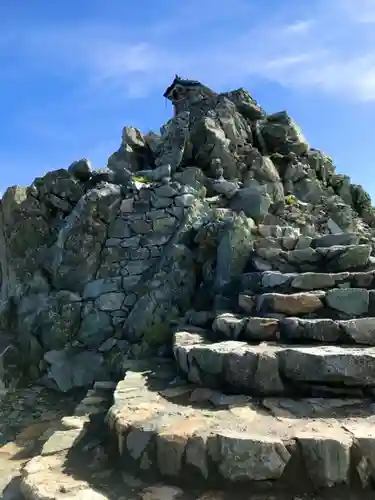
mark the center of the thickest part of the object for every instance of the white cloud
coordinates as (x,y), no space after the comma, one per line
(360,11)
(325,45)
(299,27)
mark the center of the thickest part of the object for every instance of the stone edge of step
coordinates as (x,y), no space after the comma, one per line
(274,368)
(139,426)
(330,257)
(290,330)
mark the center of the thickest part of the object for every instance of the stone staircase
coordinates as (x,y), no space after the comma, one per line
(296,333)
(328,253)
(276,392)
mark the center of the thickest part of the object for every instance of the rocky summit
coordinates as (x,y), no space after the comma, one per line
(213,289)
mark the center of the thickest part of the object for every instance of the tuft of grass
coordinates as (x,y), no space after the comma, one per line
(141,179)
(291,200)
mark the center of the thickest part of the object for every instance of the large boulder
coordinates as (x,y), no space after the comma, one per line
(71,370)
(279,133)
(245,104)
(233,251)
(74,258)
(253,200)
(134,153)
(209,141)
(220,133)
(173,144)
(29,223)
(80,169)
(321,164)
(45,322)
(262,169)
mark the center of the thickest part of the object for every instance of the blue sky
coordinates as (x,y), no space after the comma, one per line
(73,73)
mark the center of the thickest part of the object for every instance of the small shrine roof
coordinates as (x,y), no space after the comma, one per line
(181,81)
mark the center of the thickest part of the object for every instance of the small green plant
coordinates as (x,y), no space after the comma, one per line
(142,179)
(290,199)
(219,217)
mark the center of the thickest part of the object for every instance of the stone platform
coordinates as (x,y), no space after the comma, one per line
(331,258)
(74,460)
(169,440)
(161,426)
(274,368)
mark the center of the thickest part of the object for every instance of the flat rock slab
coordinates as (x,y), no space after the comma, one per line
(83,470)
(335,303)
(253,329)
(279,441)
(273,368)
(43,477)
(292,282)
(328,259)
(27,415)
(295,242)
(36,423)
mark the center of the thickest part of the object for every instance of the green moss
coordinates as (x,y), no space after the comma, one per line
(142,179)
(291,200)
(219,217)
(158,333)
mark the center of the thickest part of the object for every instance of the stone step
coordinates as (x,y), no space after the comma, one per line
(270,368)
(199,435)
(274,231)
(337,303)
(360,331)
(97,400)
(322,259)
(285,243)
(49,474)
(298,242)
(276,281)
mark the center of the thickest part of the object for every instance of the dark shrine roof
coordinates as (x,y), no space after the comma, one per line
(181,81)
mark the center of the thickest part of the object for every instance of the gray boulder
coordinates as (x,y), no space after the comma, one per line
(67,371)
(134,153)
(233,250)
(245,104)
(80,169)
(253,201)
(279,133)
(173,144)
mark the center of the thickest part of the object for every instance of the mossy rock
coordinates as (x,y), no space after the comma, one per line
(160,332)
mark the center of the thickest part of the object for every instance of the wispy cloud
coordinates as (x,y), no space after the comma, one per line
(362,12)
(325,45)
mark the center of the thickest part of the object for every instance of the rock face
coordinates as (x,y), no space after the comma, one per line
(228,210)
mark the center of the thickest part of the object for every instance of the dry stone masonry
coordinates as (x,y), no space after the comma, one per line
(223,275)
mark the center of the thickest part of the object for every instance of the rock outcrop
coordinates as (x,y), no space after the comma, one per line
(96,264)
(226,244)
